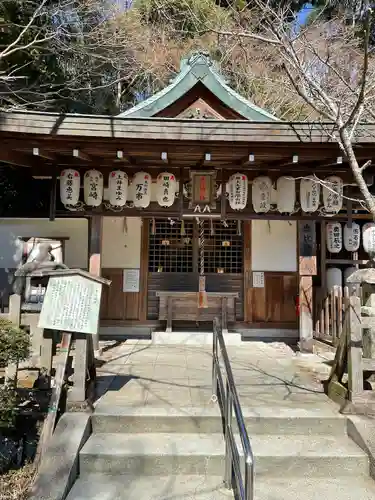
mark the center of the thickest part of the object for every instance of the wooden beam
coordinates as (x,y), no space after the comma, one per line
(17,158)
(47,155)
(250,158)
(204,161)
(300,164)
(121,157)
(155,211)
(80,155)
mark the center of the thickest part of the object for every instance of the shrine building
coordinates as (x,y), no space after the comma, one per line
(193,189)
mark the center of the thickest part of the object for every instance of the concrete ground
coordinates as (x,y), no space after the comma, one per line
(139,373)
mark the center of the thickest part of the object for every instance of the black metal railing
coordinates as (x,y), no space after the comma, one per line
(229,403)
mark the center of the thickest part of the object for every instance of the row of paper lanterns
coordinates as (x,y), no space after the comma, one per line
(167,188)
(333,187)
(118,188)
(350,237)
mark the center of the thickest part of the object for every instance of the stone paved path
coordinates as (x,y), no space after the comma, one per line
(140,373)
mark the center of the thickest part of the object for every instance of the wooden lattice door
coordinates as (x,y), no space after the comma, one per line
(174,262)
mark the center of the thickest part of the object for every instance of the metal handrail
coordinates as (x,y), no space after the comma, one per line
(229,401)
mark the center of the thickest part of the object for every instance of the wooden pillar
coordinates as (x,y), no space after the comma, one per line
(142,315)
(36,339)
(307,269)
(323,259)
(248,290)
(77,393)
(46,352)
(95,260)
(355,367)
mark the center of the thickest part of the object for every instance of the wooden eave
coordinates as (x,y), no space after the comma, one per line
(98,138)
(172,129)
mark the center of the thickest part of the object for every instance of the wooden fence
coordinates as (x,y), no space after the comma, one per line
(355,356)
(330,315)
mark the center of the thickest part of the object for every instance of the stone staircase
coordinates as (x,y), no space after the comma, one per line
(153,452)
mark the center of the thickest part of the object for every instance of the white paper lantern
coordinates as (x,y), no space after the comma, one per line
(238,186)
(70,182)
(261,194)
(334,278)
(368,237)
(93,188)
(286,194)
(166,188)
(309,193)
(118,188)
(352,237)
(333,190)
(334,237)
(141,187)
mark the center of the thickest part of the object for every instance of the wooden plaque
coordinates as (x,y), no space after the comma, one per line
(307,248)
(203,188)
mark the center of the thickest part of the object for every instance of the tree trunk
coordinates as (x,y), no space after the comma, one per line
(357,173)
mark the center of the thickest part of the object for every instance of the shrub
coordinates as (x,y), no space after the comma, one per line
(14,347)
(8,406)
(14,343)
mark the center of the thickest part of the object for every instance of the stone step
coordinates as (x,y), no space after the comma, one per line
(275,455)
(101,486)
(262,420)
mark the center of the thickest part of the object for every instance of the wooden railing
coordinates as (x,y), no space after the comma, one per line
(355,356)
(330,315)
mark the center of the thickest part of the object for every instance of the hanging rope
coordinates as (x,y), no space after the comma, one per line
(202,295)
(201,246)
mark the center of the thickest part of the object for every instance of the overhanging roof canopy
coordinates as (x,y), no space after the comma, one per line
(198,68)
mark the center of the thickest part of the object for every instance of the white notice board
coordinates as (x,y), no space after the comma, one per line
(258,279)
(130,280)
(71,304)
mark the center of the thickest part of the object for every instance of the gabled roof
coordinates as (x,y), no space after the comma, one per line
(194,69)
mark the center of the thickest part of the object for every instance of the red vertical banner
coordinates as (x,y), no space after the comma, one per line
(202,188)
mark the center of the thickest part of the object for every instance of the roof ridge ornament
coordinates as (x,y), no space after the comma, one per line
(200,57)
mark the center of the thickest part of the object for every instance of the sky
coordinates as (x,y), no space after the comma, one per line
(304,12)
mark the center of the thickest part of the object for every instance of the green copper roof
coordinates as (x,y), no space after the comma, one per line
(198,68)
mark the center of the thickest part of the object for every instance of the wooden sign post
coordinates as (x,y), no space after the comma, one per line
(71,305)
